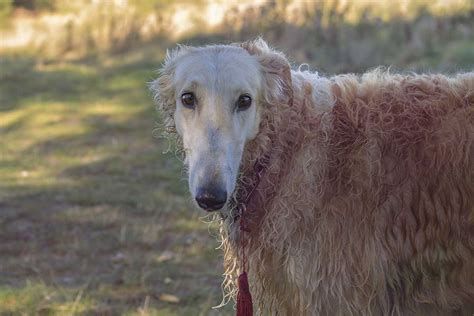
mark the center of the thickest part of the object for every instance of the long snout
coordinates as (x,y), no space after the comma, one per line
(212,177)
(213,161)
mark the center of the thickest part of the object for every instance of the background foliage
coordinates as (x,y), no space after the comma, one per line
(95,218)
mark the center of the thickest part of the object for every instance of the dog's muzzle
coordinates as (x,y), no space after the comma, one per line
(211,199)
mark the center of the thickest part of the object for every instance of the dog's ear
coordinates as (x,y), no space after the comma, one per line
(163,88)
(277,85)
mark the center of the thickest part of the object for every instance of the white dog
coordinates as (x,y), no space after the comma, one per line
(357,193)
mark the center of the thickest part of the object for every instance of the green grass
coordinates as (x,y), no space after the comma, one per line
(95,219)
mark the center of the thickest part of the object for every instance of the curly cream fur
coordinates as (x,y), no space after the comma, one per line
(367,204)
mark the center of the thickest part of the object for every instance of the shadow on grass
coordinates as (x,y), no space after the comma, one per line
(108,216)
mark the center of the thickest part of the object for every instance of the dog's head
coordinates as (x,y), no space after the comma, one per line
(214,97)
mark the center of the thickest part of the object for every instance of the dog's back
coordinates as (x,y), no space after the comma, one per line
(376,210)
(402,149)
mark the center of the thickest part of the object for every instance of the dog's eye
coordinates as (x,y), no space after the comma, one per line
(244,102)
(189,100)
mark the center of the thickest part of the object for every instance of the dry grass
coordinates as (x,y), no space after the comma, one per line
(332,35)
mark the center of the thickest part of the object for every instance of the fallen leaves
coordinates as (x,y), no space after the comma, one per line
(165,256)
(169,298)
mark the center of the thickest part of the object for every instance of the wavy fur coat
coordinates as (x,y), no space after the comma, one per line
(367,203)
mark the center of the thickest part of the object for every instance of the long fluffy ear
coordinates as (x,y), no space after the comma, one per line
(276,70)
(163,87)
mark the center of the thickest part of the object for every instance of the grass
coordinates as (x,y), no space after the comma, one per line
(94,217)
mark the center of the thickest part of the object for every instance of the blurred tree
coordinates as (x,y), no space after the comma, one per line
(5,10)
(34,5)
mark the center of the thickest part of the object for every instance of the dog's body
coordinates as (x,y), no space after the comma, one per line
(366,205)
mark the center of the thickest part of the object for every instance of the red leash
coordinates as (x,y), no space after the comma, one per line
(244,297)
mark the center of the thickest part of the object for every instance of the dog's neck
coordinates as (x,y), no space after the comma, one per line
(273,150)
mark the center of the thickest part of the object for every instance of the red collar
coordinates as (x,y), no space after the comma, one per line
(242,203)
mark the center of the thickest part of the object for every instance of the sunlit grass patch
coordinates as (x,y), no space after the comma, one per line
(38,122)
(37,298)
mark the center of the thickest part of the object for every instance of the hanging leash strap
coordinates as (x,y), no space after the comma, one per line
(244,297)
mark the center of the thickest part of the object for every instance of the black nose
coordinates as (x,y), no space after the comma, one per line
(211,199)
